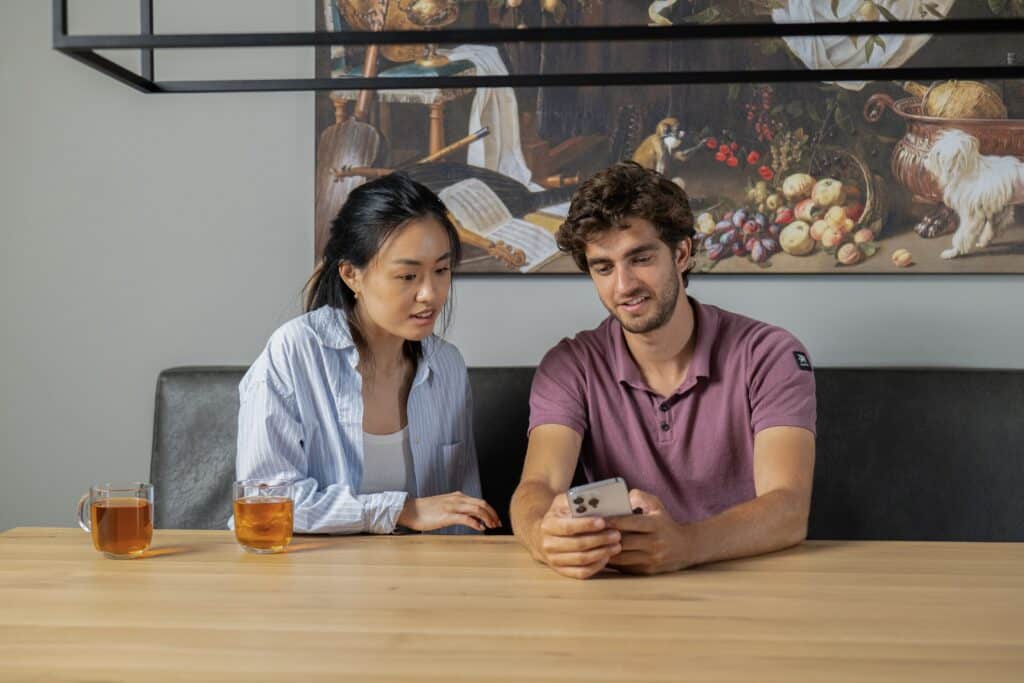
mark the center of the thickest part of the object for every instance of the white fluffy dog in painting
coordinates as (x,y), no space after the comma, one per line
(980,189)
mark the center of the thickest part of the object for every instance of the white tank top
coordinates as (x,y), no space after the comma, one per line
(387,463)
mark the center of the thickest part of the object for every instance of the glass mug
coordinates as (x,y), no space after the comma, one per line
(120,518)
(263,515)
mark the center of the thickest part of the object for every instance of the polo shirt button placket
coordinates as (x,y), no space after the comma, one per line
(664,426)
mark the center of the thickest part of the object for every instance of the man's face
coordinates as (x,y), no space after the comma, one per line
(638,277)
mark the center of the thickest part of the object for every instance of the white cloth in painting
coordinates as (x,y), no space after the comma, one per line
(839,52)
(497,109)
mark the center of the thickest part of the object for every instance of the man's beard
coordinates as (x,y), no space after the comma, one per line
(666,301)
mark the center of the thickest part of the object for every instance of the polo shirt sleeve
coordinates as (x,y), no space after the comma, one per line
(558,393)
(781,384)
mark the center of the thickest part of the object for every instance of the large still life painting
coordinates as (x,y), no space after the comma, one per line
(850,177)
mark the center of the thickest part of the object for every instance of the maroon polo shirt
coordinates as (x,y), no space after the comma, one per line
(695,448)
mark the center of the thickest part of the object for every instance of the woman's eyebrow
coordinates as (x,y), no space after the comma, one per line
(414,262)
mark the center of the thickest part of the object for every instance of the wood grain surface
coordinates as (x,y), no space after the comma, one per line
(429,608)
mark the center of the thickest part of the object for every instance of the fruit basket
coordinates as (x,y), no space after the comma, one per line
(836,202)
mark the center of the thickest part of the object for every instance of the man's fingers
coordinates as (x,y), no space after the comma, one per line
(584,559)
(631,558)
(639,524)
(559,505)
(646,502)
(571,526)
(581,572)
(634,541)
(575,544)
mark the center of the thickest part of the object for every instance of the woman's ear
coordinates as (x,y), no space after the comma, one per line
(351,276)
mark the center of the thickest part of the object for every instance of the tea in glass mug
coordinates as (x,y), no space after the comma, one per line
(120,518)
(263,515)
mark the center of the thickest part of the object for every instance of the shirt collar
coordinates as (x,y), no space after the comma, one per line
(627,371)
(331,327)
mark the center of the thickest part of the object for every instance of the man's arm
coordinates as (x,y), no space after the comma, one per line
(551,456)
(776,519)
(576,547)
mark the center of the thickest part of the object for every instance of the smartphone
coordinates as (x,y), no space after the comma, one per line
(607,498)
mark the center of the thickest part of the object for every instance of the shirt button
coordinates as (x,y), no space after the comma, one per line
(664,426)
(664,407)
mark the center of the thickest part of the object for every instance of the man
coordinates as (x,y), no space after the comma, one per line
(709,415)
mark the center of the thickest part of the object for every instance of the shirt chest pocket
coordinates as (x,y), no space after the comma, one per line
(453,467)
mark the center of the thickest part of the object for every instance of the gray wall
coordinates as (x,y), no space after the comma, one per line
(143,232)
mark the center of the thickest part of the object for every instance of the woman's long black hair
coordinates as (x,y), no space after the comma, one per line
(372,213)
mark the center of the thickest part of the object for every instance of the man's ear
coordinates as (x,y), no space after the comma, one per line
(684,252)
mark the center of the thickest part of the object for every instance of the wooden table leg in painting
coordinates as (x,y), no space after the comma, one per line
(436,126)
(384,118)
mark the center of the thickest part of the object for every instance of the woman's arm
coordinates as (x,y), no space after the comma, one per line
(272,445)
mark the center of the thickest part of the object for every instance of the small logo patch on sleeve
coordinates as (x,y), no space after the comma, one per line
(802,361)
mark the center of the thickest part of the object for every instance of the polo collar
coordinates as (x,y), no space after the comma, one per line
(628,372)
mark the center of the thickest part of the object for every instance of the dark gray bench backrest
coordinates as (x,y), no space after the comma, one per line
(902,454)
(194,441)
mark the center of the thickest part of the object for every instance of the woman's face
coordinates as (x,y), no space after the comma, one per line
(403,289)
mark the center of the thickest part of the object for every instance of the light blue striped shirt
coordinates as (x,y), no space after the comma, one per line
(301,420)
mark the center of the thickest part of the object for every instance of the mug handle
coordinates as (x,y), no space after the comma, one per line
(82,521)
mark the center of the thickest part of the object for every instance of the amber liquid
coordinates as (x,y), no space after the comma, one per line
(263,523)
(122,527)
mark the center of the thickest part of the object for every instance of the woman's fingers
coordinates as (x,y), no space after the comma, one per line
(473,511)
(493,513)
(466,520)
(480,508)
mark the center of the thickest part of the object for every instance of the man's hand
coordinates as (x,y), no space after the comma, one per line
(577,547)
(652,542)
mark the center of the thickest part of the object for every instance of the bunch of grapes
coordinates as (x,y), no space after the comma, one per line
(787,148)
(758,113)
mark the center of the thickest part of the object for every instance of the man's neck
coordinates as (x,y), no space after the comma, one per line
(663,355)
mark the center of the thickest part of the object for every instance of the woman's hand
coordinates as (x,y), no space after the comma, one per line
(437,512)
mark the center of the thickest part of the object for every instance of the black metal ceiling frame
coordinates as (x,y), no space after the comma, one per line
(83,48)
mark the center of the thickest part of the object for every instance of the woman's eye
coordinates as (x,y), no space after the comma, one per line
(407,278)
(442,271)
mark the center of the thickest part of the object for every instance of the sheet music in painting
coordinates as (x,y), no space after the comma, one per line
(477,209)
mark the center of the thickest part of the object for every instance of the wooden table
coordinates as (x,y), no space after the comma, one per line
(415,608)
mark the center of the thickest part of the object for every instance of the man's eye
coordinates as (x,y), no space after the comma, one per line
(642,259)
(407,278)
(603,270)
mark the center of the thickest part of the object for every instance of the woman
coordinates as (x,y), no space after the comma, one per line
(357,402)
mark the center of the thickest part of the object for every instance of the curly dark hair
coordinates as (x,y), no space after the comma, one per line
(610,196)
